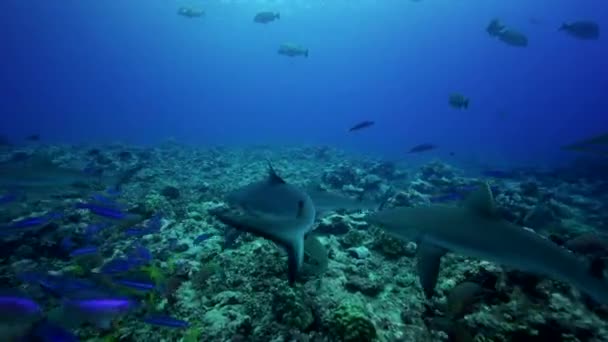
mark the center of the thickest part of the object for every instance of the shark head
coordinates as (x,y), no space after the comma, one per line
(273,209)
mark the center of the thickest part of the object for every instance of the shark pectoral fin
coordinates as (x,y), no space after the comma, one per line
(428,261)
(481,201)
(295,257)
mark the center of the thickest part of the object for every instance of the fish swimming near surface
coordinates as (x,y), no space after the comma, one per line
(422,148)
(190,12)
(273,209)
(584,29)
(458,101)
(596,144)
(513,38)
(361,125)
(266,17)
(292,50)
(476,229)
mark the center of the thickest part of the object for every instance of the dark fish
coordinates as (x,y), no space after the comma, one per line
(107,211)
(203,237)
(266,17)
(33,137)
(83,251)
(495,27)
(422,148)
(458,101)
(513,38)
(584,29)
(361,125)
(165,321)
(292,50)
(190,12)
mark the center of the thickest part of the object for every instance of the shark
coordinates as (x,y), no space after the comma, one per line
(273,209)
(476,229)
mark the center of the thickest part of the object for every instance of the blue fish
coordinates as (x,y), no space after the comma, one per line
(7,198)
(202,237)
(67,244)
(56,285)
(91,230)
(139,255)
(153,225)
(35,221)
(83,251)
(97,307)
(118,265)
(15,307)
(136,284)
(165,321)
(103,210)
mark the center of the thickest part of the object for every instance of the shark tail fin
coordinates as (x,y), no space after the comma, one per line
(295,257)
(428,260)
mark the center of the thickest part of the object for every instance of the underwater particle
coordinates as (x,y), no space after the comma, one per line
(292,50)
(190,12)
(422,148)
(165,321)
(361,125)
(349,323)
(583,29)
(458,101)
(170,192)
(266,17)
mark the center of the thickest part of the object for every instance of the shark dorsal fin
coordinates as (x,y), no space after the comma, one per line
(273,178)
(481,201)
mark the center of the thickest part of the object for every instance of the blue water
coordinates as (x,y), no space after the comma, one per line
(80,71)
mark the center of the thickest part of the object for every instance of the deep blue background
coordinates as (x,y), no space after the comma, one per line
(135,71)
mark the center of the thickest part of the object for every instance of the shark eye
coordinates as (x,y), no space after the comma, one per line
(300,208)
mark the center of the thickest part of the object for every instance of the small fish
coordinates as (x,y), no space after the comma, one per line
(118,265)
(584,29)
(56,285)
(422,148)
(135,284)
(97,307)
(91,230)
(28,224)
(153,225)
(7,198)
(103,210)
(139,255)
(361,125)
(165,321)
(190,12)
(202,237)
(83,251)
(458,101)
(33,137)
(15,307)
(292,50)
(266,17)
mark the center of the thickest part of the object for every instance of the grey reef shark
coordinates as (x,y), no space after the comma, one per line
(477,230)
